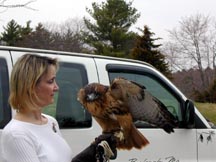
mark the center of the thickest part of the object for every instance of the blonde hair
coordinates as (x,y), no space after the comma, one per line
(26,74)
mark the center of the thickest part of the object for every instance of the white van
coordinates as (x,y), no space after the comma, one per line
(193,141)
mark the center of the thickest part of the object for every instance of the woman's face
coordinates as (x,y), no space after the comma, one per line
(47,87)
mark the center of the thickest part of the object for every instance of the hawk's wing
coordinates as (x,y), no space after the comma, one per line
(142,105)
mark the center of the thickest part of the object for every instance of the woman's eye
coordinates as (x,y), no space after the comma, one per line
(51,81)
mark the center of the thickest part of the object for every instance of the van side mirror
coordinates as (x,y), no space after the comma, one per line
(189,114)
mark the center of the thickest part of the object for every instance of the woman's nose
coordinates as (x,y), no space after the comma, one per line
(56,88)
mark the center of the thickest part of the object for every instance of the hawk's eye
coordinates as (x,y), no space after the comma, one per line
(92,96)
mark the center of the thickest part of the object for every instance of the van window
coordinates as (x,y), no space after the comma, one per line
(5,110)
(66,109)
(153,84)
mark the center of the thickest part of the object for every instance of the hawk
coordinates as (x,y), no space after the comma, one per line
(142,105)
(112,115)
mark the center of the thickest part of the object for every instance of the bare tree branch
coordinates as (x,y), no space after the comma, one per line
(195,40)
(24,5)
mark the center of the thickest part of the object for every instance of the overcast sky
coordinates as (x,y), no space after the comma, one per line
(159,15)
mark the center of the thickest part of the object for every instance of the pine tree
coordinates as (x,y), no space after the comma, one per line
(146,50)
(11,34)
(14,33)
(110,35)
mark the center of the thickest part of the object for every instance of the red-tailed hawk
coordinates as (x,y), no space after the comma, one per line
(142,105)
(112,115)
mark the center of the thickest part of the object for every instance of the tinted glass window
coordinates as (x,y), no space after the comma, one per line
(66,109)
(5,111)
(154,85)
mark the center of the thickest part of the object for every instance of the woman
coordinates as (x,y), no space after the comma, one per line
(32,136)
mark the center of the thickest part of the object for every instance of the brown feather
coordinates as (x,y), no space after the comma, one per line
(132,136)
